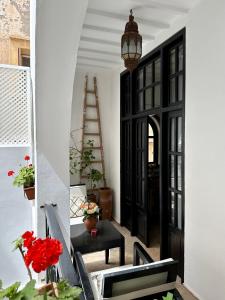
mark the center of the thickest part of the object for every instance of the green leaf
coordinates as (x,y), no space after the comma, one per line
(29,291)
(169,296)
(10,292)
(25,177)
(17,243)
(68,292)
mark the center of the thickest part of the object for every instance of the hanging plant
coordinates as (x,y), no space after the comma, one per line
(25,178)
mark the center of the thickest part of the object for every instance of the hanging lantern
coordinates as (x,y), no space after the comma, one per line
(131,44)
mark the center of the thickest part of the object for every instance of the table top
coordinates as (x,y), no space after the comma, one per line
(107,237)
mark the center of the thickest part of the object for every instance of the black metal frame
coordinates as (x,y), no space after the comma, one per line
(162,112)
(69,267)
(124,275)
(139,254)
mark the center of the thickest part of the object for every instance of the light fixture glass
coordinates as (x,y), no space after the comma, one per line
(131,44)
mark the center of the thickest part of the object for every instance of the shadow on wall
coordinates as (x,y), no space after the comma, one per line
(15,216)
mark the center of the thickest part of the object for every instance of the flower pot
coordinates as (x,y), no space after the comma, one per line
(105,203)
(90,223)
(29,192)
(92,198)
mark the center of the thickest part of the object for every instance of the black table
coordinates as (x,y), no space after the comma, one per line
(108,237)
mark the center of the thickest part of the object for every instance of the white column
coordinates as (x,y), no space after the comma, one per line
(55,41)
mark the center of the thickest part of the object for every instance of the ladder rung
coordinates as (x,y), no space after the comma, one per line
(94,134)
(94,148)
(90,92)
(91,105)
(96,161)
(92,120)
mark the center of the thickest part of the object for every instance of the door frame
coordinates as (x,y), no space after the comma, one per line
(162,111)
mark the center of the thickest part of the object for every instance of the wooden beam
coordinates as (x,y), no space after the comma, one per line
(114,31)
(98,59)
(99,41)
(147,22)
(84,65)
(99,51)
(160,5)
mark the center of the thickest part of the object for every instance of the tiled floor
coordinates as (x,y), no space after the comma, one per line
(96,261)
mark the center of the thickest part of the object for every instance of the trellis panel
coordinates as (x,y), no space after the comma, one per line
(15,106)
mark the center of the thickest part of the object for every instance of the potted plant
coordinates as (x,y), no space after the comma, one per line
(25,178)
(40,254)
(81,162)
(91,213)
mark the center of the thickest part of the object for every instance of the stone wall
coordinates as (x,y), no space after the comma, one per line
(14,22)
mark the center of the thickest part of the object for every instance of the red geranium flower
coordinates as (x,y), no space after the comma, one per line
(28,239)
(27,157)
(11,173)
(43,253)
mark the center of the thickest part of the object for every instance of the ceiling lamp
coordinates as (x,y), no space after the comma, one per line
(131,44)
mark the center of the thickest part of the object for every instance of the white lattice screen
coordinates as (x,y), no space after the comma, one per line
(15,106)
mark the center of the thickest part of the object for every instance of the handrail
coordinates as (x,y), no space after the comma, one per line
(70,268)
(140,253)
(66,267)
(83,275)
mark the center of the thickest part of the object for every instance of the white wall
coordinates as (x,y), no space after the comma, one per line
(104,92)
(204,160)
(16,216)
(115,143)
(58,28)
(108,88)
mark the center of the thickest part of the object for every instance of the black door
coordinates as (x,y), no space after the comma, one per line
(155,88)
(141,180)
(175,194)
(126,175)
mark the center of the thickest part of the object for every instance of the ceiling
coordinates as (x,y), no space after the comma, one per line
(105,21)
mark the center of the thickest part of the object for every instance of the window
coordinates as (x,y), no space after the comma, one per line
(148,86)
(24,57)
(150,144)
(125,95)
(176,76)
(19,51)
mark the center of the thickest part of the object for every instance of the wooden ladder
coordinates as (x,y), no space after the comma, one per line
(86,120)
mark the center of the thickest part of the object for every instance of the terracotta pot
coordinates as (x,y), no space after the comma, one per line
(29,192)
(92,198)
(90,223)
(105,203)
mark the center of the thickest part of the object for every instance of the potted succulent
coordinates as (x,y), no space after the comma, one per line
(91,213)
(40,254)
(81,162)
(25,178)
